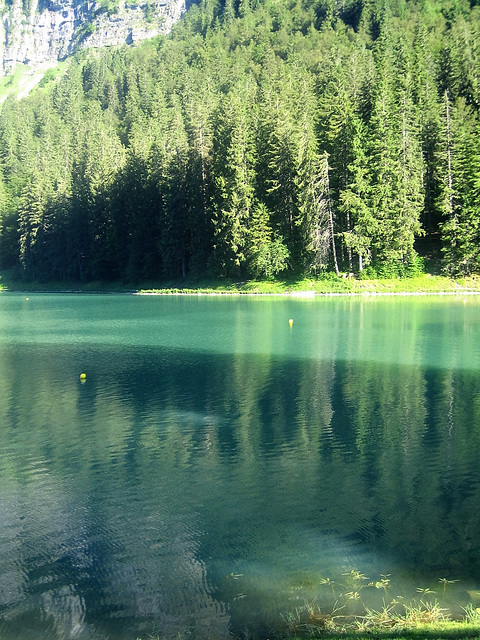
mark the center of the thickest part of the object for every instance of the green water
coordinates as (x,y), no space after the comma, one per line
(218,464)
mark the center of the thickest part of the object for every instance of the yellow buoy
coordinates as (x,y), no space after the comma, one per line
(83,376)
(290,322)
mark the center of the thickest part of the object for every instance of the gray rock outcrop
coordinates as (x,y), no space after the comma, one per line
(51,30)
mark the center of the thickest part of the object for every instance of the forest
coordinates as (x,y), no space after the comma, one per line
(260,138)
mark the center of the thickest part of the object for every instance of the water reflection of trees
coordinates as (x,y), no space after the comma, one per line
(387,452)
(214,455)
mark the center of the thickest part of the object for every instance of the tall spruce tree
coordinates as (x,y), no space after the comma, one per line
(354,200)
(199,105)
(460,193)
(176,225)
(313,190)
(234,167)
(395,158)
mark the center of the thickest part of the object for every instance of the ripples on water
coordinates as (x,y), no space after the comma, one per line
(213,488)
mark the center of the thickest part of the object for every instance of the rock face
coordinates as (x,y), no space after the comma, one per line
(50,30)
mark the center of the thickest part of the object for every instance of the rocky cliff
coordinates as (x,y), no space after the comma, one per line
(35,32)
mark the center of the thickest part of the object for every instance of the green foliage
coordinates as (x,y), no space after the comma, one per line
(259,138)
(267,254)
(472,614)
(108,5)
(85,30)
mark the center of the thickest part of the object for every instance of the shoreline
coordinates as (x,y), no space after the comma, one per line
(424,285)
(251,294)
(243,294)
(292,294)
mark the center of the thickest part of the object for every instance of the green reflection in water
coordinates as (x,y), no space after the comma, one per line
(428,330)
(217,463)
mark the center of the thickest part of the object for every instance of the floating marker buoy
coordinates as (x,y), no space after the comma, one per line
(83,376)
(290,322)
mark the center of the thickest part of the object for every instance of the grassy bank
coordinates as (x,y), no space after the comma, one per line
(446,631)
(450,630)
(331,285)
(424,620)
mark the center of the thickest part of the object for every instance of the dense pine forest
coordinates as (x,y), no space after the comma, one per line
(261,137)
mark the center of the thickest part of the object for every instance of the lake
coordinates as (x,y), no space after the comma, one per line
(220,468)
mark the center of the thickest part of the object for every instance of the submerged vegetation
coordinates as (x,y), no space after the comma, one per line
(343,609)
(353,605)
(261,138)
(349,609)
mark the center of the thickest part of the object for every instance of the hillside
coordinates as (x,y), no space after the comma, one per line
(258,138)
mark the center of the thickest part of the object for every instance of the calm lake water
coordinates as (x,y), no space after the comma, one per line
(218,466)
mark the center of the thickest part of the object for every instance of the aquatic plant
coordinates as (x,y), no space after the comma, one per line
(331,583)
(472,614)
(444,581)
(424,612)
(348,611)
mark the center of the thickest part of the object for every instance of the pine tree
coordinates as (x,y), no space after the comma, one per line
(383,150)
(235,180)
(199,105)
(461,188)
(397,166)
(314,218)
(176,229)
(31,223)
(428,104)
(266,252)
(99,159)
(355,198)
(410,178)
(280,136)
(341,104)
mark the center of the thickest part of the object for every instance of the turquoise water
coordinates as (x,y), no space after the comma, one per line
(218,465)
